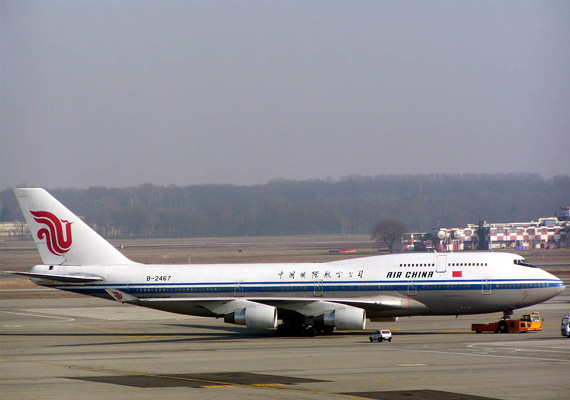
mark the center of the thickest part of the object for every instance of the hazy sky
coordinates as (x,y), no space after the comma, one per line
(120,93)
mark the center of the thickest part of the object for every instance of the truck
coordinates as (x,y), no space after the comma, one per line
(528,322)
(565,326)
(534,319)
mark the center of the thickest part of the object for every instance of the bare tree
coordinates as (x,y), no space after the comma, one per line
(388,231)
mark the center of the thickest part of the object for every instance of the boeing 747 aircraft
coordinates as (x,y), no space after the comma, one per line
(308,298)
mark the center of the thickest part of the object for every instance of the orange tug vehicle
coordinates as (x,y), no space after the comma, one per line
(528,322)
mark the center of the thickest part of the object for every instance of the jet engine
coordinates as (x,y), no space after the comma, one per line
(344,318)
(255,317)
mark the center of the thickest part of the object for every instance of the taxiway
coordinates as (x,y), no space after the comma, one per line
(85,348)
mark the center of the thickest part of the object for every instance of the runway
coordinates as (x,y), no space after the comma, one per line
(86,348)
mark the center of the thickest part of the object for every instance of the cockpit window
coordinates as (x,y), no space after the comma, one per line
(524,262)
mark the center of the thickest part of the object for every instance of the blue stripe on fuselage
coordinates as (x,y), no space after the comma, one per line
(304,287)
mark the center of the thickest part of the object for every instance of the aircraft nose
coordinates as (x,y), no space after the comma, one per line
(557,285)
(561,287)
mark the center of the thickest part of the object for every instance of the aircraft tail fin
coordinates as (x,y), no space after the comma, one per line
(62,237)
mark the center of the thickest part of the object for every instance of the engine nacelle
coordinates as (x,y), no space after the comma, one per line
(346,318)
(254,317)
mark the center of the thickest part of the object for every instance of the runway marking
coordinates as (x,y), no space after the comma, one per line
(126,334)
(425,394)
(268,384)
(412,365)
(216,386)
(102,329)
(503,347)
(518,357)
(37,315)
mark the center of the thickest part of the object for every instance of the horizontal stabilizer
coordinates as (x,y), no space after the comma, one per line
(59,278)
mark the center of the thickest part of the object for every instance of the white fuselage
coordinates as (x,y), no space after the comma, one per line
(385,286)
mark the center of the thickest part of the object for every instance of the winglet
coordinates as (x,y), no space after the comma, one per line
(120,296)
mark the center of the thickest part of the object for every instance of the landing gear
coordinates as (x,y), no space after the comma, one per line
(507,315)
(286,330)
(327,330)
(310,331)
(300,328)
(502,326)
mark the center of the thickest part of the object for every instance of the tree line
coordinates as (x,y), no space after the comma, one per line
(351,205)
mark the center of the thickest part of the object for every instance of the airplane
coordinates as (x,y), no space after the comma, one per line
(308,298)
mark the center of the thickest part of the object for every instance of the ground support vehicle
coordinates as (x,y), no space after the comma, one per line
(534,319)
(565,326)
(381,335)
(528,322)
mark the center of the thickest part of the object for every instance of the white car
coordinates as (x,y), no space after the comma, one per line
(381,335)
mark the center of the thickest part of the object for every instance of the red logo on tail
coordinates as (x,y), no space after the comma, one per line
(58,241)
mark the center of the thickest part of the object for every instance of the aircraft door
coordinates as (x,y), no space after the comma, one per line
(318,290)
(441,265)
(486,286)
(412,288)
(238,288)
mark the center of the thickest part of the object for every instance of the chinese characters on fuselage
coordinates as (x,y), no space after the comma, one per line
(321,274)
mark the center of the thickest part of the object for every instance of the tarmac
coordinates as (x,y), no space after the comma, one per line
(87,348)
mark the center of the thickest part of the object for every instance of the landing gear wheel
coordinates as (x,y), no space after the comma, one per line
(503,328)
(328,330)
(282,330)
(310,331)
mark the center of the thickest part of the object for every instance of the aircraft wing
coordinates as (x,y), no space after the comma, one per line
(219,306)
(263,312)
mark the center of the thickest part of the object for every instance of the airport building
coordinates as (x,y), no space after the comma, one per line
(14,230)
(552,232)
